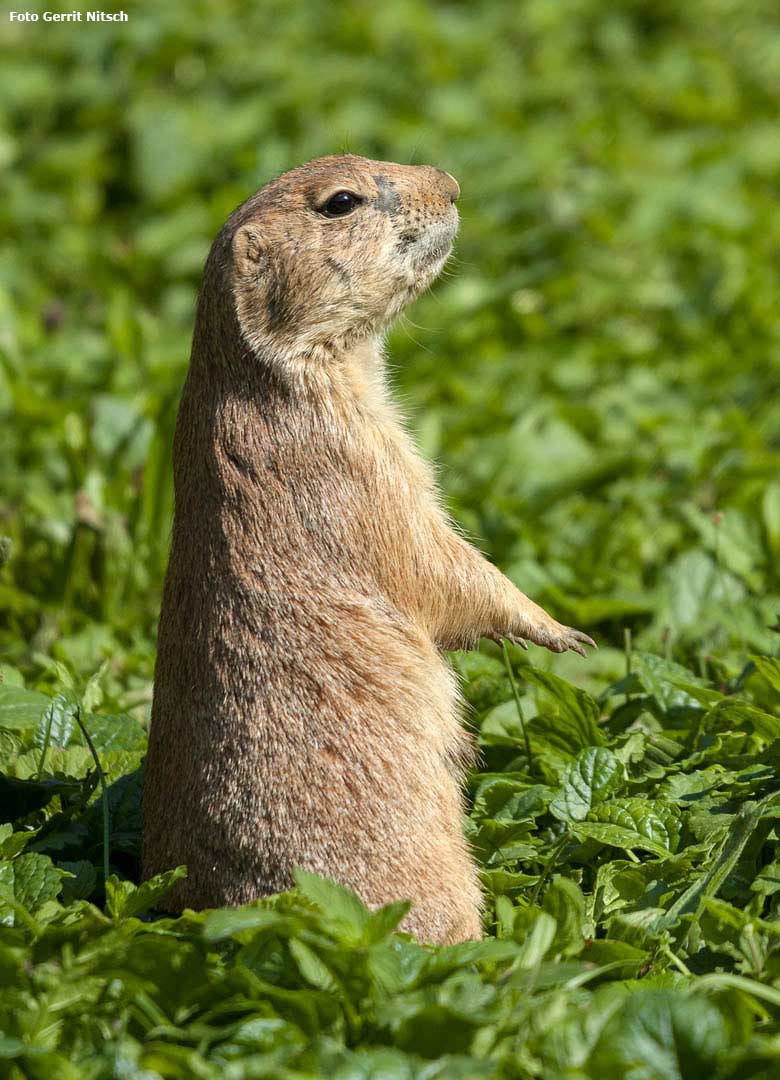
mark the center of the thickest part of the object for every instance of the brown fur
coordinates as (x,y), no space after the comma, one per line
(303,713)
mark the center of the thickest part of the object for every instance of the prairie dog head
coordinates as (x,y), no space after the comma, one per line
(333,250)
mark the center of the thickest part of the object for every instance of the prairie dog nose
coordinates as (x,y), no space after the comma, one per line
(446,183)
(450,185)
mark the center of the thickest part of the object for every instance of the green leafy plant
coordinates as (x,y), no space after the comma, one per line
(598,376)
(632,889)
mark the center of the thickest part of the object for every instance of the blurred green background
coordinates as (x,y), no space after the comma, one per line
(597,374)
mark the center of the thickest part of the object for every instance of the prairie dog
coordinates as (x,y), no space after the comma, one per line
(303,713)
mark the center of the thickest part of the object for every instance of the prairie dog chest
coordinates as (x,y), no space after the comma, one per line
(382,429)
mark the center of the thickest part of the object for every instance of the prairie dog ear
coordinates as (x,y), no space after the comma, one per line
(250,252)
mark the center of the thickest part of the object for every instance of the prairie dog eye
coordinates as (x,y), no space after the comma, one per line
(343,202)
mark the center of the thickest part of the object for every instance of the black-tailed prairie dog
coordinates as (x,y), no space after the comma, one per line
(303,713)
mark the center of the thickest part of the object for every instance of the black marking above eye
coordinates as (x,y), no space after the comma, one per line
(340,204)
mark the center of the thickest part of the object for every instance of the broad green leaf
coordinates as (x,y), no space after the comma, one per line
(13,843)
(641,929)
(741,714)
(310,965)
(31,880)
(124,803)
(117,894)
(385,920)
(338,903)
(500,726)
(227,922)
(20,708)
(594,775)
(500,841)
(768,666)
(509,882)
(72,761)
(82,881)
(688,787)
(740,830)
(110,733)
(633,823)
(734,540)
(624,885)
(18,798)
(124,899)
(704,695)
(767,881)
(10,747)
(10,675)
(663,679)
(93,691)
(565,902)
(12,1048)
(56,726)
(384,1063)
(660,1035)
(538,942)
(510,800)
(575,711)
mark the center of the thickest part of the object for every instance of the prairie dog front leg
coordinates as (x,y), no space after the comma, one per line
(470,598)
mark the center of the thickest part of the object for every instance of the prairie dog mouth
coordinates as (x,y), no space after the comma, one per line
(435,243)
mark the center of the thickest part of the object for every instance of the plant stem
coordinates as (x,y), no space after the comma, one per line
(627,650)
(104,789)
(557,849)
(683,968)
(518,706)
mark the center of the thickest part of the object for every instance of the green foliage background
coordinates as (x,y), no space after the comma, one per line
(598,375)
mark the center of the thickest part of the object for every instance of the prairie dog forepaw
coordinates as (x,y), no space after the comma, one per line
(558,638)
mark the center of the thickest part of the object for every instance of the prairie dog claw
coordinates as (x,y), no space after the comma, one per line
(553,636)
(514,638)
(560,638)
